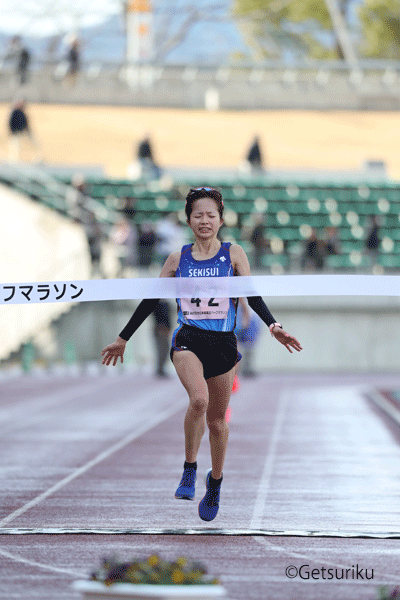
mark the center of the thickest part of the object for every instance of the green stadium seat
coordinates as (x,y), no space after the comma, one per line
(286,233)
(287,207)
(269,260)
(389,261)
(338,262)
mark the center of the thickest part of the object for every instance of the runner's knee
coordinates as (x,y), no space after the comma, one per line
(217,425)
(199,404)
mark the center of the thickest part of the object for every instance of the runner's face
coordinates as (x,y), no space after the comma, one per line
(204,219)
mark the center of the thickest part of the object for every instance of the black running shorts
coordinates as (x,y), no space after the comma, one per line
(216,350)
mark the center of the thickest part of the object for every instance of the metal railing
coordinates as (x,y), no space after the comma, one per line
(270,84)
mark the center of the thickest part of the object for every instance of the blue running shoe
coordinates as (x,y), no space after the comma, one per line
(209,505)
(186,487)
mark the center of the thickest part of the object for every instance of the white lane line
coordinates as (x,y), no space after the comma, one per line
(265,481)
(33,563)
(384,404)
(156,420)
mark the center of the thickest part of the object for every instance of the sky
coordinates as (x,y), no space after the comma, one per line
(101,28)
(101,23)
(43,18)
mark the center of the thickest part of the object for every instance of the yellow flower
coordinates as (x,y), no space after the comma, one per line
(153,560)
(181,561)
(177,576)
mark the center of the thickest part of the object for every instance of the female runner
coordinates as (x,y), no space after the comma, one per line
(204,347)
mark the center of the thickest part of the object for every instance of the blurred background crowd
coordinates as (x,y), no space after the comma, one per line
(110,113)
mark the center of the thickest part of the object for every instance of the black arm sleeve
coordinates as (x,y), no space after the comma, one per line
(144,309)
(259,307)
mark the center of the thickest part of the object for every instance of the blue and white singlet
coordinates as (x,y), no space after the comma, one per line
(215,314)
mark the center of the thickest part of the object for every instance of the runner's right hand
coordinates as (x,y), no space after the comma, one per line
(112,352)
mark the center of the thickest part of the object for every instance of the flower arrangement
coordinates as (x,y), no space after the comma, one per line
(386,594)
(153,570)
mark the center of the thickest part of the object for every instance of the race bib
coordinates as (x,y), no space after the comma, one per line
(205,308)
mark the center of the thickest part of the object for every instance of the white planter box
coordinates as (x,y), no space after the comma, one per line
(95,590)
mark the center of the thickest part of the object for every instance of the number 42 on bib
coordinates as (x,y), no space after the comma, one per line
(205,308)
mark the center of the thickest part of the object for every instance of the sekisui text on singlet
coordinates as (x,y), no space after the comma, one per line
(216,314)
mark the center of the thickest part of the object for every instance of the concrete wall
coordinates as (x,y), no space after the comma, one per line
(236,88)
(352,333)
(342,333)
(36,244)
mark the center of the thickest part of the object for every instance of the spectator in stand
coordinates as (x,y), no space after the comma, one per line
(23,64)
(144,165)
(20,54)
(162,329)
(373,240)
(14,47)
(146,243)
(76,197)
(331,242)
(254,163)
(94,236)
(124,235)
(170,236)
(52,48)
(258,239)
(247,331)
(73,59)
(129,209)
(313,253)
(19,130)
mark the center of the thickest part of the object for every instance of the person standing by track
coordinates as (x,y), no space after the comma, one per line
(204,346)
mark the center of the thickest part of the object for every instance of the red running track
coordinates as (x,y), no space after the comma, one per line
(308,455)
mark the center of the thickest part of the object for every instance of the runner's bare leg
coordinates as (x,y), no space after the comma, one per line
(190,372)
(220,389)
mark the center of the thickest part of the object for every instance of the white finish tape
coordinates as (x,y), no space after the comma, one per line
(200,287)
(198,531)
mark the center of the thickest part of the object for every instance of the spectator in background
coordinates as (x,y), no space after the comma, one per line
(94,236)
(372,240)
(24,59)
(124,235)
(20,54)
(247,331)
(253,164)
(19,130)
(146,243)
(53,46)
(258,239)
(76,198)
(162,329)
(73,60)
(170,236)
(313,253)
(331,242)
(14,47)
(144,165)
(129,209)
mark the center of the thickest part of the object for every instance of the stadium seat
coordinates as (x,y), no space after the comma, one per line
(389,261)
(268,260)
(291,209)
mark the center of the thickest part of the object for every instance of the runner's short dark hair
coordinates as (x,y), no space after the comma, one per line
(203,192)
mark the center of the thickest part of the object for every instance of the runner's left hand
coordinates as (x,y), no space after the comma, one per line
(286,339)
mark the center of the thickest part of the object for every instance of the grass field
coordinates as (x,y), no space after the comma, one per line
(106,135)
